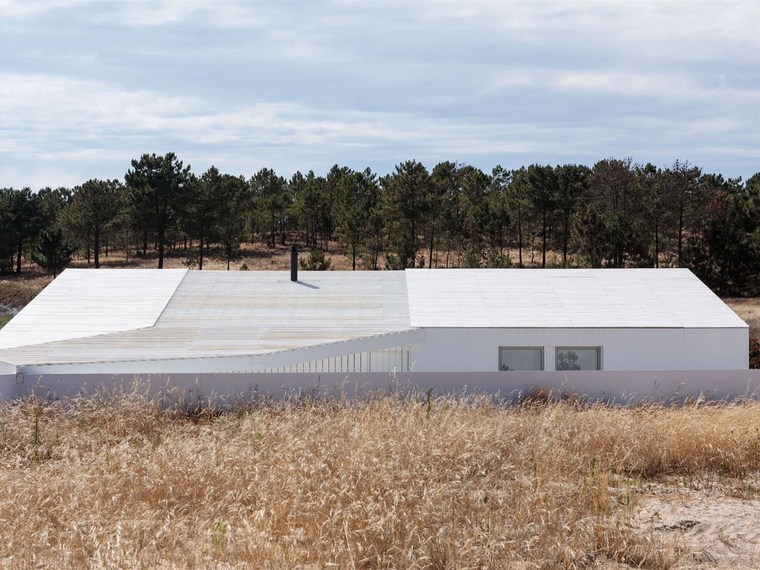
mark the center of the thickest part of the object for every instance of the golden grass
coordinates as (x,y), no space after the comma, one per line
(749,311)
(17,290)
(256,257)
(378,483)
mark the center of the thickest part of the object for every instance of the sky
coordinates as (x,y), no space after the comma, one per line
(88,85)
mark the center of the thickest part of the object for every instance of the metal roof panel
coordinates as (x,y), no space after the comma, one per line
(564,298)
(87,302)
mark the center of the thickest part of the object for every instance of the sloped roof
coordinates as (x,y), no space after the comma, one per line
(82,303)
(204,313)
(569,298)
(115,315)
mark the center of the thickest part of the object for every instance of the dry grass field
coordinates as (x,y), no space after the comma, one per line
(256,257)
(383,482)
(17,290)
(388,481)
(749,311)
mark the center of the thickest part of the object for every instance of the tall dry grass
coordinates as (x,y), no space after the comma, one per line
(748,310)
(384,482)
(18,290)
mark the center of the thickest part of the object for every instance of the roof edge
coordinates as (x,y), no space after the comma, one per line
(238,362)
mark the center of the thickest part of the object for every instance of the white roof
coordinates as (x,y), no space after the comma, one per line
(81,303)
(564,298)
(206,313)
(115,315)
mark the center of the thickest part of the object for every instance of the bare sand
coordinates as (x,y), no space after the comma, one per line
(716,523)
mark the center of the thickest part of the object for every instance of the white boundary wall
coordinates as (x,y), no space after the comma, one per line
(619,386)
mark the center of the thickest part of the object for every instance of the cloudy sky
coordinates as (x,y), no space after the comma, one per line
(88,85)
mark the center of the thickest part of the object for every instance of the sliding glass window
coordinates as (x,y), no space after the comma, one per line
(579,358)
(521,358)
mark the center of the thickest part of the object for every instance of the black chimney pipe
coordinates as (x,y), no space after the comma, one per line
(294,262)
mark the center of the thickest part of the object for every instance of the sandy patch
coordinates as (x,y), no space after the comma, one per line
(716,523)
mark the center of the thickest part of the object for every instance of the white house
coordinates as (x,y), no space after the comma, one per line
(124,322)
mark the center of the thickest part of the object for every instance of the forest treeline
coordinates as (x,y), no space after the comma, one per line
(614,214)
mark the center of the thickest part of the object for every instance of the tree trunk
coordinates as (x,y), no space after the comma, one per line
(430,258)
(96,249)
(564,241)
(543,240)
(656,244)
(519,240)
(680,235)
(200,254)
(161,248)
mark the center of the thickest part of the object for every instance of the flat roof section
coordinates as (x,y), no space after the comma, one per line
(265,311)
(564,298)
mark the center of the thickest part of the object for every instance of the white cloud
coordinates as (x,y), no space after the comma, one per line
(50,108)
(79,119)
(29,8)
(153,13)
(316,82)
(39,106)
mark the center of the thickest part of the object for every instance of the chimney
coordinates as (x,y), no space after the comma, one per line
(294,262)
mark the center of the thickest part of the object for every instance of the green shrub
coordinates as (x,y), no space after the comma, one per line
(317,261)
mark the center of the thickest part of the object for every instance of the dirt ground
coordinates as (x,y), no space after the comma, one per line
(716,523)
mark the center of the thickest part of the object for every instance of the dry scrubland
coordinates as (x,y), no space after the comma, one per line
(390,481)
(256,257)
(386,481)
(16,291)
(749,311)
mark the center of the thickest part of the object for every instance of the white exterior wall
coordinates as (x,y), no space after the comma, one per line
(477,350)
(239,364)
(469,350)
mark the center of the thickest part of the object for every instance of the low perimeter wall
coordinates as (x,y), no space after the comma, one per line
(617,386)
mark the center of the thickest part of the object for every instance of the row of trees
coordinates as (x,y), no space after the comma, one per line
(614,214)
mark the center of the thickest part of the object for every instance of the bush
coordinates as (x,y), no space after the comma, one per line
(754,353)
(317,261)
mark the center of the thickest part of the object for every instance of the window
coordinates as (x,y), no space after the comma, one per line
(524,358)
(580,358)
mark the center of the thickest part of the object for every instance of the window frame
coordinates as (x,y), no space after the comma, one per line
(540,349)
(598,349)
